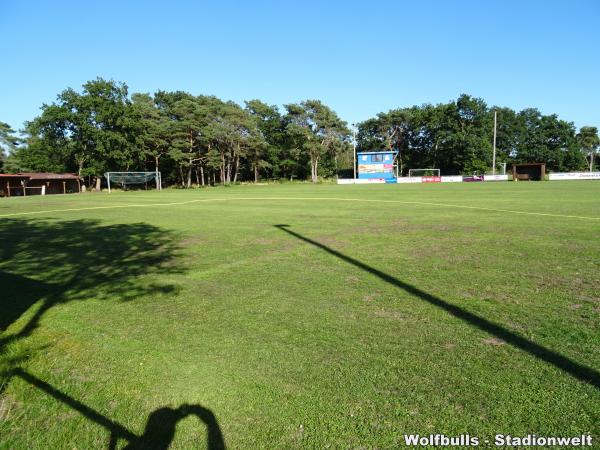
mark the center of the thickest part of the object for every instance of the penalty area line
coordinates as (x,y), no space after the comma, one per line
(341,199)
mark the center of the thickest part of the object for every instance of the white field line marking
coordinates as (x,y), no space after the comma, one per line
(206,200)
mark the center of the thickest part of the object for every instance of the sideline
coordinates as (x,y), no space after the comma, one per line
(341,199)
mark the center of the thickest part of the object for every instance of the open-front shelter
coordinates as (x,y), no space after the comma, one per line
(32,183)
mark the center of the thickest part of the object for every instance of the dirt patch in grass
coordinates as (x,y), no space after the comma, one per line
(7,404)
(493,341)
(191,241)
(516,326)
(404,225)
(264,241)
(587,298)
(331,242)
(387,314)
(270,245)
(496,296)
(64,416)
(370,297)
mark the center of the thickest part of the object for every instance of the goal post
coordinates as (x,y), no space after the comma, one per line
(133,178)
(424,172)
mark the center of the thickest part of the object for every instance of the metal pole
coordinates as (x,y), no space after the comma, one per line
(354,147)
(108,181)
(494,154)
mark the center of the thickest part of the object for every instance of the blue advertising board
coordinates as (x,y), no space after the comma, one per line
(377,165)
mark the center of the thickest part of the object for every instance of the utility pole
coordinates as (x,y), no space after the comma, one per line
(494,154)
(354,147)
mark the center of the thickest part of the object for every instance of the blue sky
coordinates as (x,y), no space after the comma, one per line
(360,58)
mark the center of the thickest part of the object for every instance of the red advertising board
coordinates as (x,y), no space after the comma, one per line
(431,179)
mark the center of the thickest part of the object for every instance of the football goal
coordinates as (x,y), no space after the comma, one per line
(133,178)
(424,172)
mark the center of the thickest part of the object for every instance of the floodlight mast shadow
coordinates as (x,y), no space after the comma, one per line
(575,369)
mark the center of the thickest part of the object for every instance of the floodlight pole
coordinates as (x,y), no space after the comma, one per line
(494,153)
(354,149)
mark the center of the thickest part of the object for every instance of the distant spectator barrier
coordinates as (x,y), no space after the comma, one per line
(452,179)
(496,177)
(460,179)
(473,179)
(361,181)
(574,176)
(426,179)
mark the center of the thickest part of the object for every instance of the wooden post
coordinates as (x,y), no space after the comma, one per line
(64,187)
(24,191)
(543,170)
(8,187)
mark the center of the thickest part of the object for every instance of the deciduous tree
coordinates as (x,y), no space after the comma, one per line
(589,142)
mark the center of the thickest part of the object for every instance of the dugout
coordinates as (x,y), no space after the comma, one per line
(529,172)
(377,165)
(35,183)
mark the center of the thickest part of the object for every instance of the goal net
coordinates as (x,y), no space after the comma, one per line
(424,172)
(133,178)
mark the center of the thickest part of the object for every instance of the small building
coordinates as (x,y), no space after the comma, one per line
(32,183)
(529,172)
(377,165)
(12,184)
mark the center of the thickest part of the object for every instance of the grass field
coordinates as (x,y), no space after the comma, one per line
(299,316)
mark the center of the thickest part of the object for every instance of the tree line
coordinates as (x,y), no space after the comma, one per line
(203,140)
(457,137)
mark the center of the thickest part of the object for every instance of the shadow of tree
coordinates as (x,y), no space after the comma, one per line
(45,263)
(19,293)
(575,369)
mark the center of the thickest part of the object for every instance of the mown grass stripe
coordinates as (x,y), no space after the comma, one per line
(404,202)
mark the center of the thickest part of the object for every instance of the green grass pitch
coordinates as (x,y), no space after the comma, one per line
(299,316)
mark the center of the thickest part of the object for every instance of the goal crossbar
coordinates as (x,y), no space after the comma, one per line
(133,178)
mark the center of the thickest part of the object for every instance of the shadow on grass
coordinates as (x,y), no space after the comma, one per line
(578,371)
(45,263)
(160,426)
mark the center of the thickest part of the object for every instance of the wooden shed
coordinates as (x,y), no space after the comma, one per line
(12,184)
(38,183)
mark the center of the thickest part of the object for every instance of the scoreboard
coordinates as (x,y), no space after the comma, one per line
(378,165)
